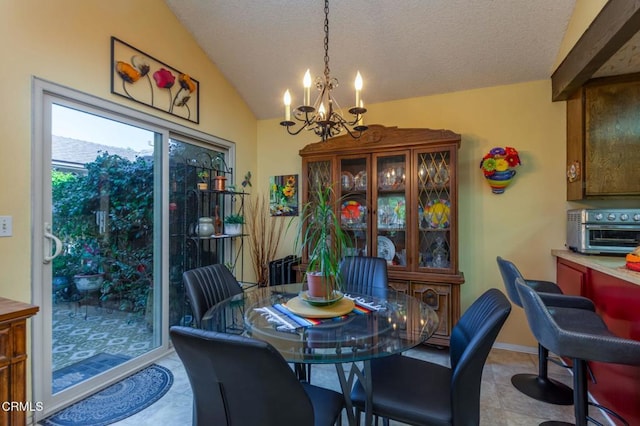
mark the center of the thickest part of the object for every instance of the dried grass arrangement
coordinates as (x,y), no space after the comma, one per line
(265,234)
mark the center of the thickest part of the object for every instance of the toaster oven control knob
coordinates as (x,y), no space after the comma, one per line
(636,217)
(599,216)
(624,217)
(611,216)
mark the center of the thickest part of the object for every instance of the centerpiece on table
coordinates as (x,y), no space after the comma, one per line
(321,235)
(498,167)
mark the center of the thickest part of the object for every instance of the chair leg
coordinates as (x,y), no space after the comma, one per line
(301,372)
(540,386)
(581,398)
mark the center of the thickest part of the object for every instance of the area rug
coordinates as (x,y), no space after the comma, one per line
(85,369)
(118,401)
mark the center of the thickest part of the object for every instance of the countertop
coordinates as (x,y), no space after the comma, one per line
(610,265)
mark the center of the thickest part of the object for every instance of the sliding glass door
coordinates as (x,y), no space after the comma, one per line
(102,209)
(107,261)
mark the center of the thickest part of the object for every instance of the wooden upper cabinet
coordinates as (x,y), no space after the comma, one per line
(603,139)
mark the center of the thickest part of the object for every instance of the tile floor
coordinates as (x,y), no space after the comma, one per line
(501,403)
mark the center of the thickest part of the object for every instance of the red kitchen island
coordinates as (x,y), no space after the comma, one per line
(615,291)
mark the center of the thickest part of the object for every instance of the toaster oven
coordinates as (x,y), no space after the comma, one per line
(603,231)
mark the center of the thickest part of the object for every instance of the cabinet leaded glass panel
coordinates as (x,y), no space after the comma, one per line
(434,208)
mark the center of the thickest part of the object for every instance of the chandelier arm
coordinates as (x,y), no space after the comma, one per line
(298,115)
(352,134)
(288,127)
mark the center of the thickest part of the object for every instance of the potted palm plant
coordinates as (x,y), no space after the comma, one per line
(321,235)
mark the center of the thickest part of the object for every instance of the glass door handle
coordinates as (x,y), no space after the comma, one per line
(57,242)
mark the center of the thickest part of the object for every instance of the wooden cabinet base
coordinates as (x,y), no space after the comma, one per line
(13,360)
(618,303)
(444,298)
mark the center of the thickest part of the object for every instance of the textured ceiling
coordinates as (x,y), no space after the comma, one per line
(625,61)
(402,48)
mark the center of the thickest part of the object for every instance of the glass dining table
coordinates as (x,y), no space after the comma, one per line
(373,328)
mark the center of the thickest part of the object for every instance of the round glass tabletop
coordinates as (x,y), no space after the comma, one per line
(374,328)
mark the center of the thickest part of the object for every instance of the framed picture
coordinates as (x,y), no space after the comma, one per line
(142,78)
(283,195)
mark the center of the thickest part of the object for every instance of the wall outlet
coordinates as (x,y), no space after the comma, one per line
(6,226)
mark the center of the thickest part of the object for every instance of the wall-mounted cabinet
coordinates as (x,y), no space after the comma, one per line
(398,194)
(603,137)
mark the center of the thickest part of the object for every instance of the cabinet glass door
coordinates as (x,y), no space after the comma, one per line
(391,209)
(355,203)
(434,196)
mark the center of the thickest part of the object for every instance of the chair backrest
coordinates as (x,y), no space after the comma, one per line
(581,334)
(208,285)
(509,274)
(471,340)
(240,381)
(364,275)
(541,323)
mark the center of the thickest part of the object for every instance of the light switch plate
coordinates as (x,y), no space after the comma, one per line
(6,226)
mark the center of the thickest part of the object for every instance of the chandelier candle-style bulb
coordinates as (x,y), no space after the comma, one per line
(321,112)
(306,83)
(287,106)
(358,84)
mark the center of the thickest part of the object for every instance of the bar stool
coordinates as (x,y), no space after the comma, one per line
(578,334)
(540,387)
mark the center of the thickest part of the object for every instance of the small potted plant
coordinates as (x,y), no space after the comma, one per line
(322,236)
(233,224)
(90,274)
(203,185)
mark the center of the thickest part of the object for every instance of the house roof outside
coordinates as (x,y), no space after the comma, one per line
(73,154)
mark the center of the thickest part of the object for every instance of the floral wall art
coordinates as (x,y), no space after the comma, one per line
(283,195)
(142,78)
(498,167)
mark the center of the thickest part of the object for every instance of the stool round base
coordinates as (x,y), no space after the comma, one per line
(543,389)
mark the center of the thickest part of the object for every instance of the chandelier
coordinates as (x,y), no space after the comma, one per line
(324,116)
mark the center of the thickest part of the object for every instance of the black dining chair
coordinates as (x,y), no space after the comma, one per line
(237,380)
(418,392)
(579,334)
(537,386)
(206,286)
(364,275)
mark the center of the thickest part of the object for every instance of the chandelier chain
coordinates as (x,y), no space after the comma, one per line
(326,40)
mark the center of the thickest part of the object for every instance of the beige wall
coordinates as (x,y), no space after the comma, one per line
(525,222)
(68,42)
(584,12)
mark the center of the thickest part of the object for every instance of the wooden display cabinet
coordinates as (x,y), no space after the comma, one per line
(397,191)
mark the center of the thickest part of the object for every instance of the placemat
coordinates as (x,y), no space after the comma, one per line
(302,308)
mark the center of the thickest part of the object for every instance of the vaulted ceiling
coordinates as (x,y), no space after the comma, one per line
(402,48)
